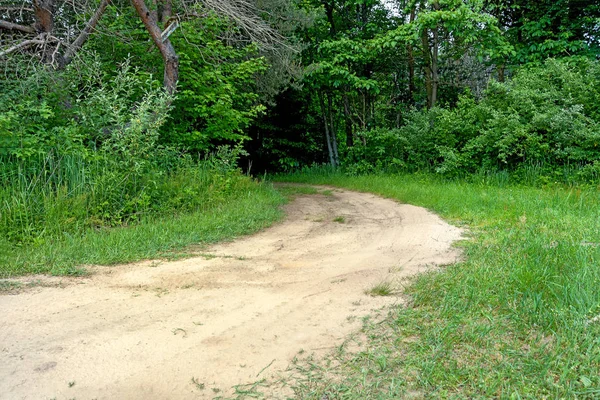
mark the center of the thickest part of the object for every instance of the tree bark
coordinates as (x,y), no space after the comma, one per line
(329,13)
(44,25)
(430,53)
(167,12)
(154,10)
(170,57)
(16,27)
(39,40)
(44,15)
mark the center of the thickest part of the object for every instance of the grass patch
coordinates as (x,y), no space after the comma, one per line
(381,289)
(340,219)
(10,286)
(291,191)
(515,319)
(238,213)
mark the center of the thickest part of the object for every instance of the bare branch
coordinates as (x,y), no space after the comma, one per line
(16,27)
(89,27)
(15,8)
(246,17)
(40,39)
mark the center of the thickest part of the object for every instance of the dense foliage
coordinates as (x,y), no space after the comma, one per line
(89,138)
(546,117)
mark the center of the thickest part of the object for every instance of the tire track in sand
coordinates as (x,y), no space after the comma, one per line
(143,331)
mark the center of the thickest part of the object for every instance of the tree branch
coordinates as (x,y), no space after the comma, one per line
(83,36)
(26,43)
(16,27)
(170,58)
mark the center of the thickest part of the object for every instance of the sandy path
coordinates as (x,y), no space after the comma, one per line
(143,331)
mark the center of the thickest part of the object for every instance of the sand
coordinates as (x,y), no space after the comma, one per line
(194,328)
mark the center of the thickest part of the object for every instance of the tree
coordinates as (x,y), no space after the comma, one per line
(44,30)
(47,27)
(548,28)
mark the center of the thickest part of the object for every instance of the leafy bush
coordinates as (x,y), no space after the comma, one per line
(545,119)
(88,156)
(217,97)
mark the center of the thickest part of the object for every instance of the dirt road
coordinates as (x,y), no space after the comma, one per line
(192,329)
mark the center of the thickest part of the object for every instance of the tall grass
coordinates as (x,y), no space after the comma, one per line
(518,318)
(61,212)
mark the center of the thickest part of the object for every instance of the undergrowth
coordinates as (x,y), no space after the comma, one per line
(63,213)
(518,318)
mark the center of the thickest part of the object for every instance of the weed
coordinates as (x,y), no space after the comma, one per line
(188,286)
(340,219)
(381,289)
(198,385)
(10,286)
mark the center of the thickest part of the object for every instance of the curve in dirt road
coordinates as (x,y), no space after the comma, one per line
(196,327)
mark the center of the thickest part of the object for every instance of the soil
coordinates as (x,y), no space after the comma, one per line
(194,328)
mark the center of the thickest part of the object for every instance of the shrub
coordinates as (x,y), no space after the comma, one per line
(545,119)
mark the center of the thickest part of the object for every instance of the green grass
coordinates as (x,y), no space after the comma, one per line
(291,191)
(515,319)
(237,213)
(381,289)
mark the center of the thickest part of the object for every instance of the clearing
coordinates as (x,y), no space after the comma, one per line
(241,311)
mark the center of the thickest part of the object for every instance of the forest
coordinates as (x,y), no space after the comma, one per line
(106,107)
(131,129)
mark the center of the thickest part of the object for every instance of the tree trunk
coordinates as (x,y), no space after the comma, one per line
(411,63)
(44,15)
(167,12)
(348,121)
(333,132)
(329,13)
(434,69)
(44,25)
(327,136)
(430,54)
(501,68)
(170,58)
(154,10)
(427,58)
(17,27)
